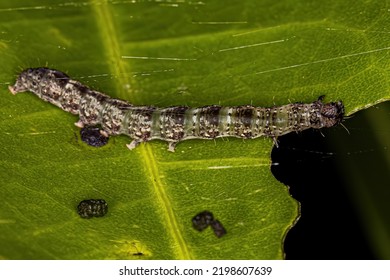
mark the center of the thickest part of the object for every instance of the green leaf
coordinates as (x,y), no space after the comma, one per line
(170,53)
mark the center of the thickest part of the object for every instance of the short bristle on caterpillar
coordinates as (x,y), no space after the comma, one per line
(173,124)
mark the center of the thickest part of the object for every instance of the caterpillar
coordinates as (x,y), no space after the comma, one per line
(92,208)
(173,124)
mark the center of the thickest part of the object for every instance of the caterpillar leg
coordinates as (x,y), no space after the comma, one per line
(133,144)
(275,139)
(12,90)
(79,124)
(172,146)
(104,133)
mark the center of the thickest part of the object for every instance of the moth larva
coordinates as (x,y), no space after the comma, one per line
(173,124)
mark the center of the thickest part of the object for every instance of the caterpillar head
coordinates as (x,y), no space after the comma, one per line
(34,79)
(44,82)
(50,85)
(332,113)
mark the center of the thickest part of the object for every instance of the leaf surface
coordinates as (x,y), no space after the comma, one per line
(170,53)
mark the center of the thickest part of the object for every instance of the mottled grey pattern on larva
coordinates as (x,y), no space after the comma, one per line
(173,124)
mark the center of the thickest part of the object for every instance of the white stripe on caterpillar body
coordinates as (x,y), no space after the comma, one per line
(173,124)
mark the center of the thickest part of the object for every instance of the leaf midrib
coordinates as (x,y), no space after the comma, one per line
(111,44)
